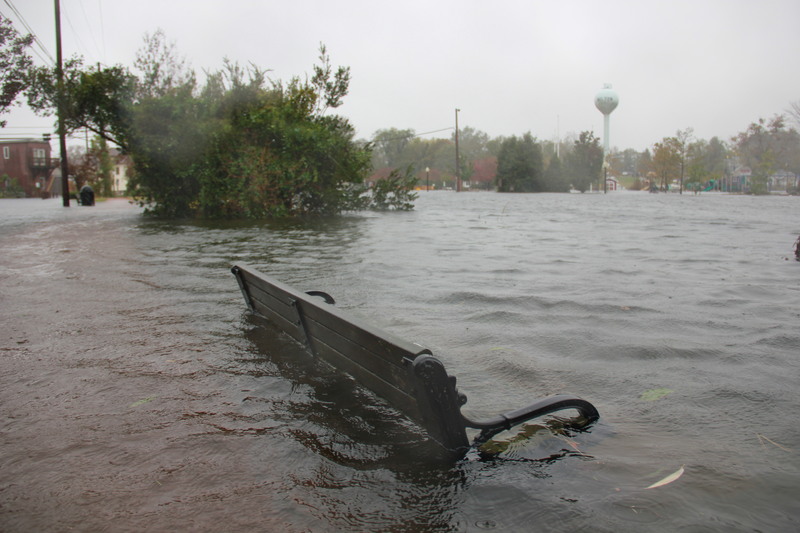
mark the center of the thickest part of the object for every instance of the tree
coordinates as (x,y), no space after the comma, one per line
(240,146)
(682,138)
(644,164)
(162,69)
(714,158)
(14,64)
(472,143)
(244,148)
(519,165)
(330,88)
(554,176)
(484,172)
(695,167)
(766,147)
(794,112)
(92,167)
(584,162)
(99,100)
(389,147)
(666,162)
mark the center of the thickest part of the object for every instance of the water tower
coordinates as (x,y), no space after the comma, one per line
(606,100)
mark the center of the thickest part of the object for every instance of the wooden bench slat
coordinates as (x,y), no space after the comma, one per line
(397,398)
(381,343)
(396,375)
(263,305)
(378,374)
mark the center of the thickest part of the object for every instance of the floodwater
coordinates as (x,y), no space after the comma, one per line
(137,395)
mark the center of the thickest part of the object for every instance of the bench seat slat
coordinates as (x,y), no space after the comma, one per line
(274,309)
(397,398)
(387,376)
(380,343)
(396,375)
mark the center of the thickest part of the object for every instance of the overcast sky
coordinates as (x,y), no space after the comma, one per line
(510,67)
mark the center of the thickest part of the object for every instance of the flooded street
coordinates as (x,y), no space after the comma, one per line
(137,395)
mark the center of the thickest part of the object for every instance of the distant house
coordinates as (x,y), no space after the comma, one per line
(121,172)
(26,163)
(783,181)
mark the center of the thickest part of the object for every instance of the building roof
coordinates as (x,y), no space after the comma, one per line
(24,141)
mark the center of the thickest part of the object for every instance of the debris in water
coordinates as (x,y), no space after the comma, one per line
(762,438)
(140,402)
(655,394)
(669,479)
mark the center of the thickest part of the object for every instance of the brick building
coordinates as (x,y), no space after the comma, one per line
(28,163)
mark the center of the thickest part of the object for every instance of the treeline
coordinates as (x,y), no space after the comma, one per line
(238,145)
(508,164)
(526,164)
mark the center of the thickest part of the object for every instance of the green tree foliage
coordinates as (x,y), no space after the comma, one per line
(96,99)
(279,158)
(244,148)
(682,142)
(395,192)
(239,146)
(584,163)
(666,162)
(395,148)
(519,165)
(161,69)
(767,147)
(554,176)
(10,187)
(14,64)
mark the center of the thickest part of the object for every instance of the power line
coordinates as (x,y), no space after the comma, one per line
(77,35)
(30,31)
(89,28)
(411,136)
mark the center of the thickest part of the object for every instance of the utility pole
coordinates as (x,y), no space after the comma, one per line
(458,162)
(62,137)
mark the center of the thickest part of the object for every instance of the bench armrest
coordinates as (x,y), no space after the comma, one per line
(505,421)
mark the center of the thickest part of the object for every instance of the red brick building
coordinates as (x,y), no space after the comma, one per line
(27,162)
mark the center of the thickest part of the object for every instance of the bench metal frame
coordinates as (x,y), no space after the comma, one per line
(404,374)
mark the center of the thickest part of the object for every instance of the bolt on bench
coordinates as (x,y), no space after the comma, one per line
(404,374)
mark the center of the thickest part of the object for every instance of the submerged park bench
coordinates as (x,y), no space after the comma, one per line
(405,375)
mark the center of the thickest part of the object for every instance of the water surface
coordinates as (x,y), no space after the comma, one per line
(138,395)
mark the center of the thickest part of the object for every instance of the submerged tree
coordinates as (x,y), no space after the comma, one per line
(666,163)
(584,162)
(519,165)
(767,147)
(239,146)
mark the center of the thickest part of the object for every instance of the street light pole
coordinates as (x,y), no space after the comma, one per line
(427,178)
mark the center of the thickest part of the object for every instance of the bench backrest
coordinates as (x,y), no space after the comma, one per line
(404,374)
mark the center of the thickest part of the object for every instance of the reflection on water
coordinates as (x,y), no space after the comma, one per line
(521,296)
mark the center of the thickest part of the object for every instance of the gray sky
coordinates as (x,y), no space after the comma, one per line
(510,66)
